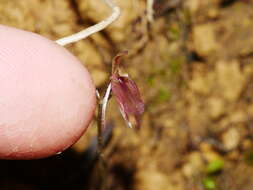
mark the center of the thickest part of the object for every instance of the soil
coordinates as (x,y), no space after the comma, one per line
(194,67)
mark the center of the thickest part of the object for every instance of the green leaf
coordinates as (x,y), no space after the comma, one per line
(209,183)
(215,166)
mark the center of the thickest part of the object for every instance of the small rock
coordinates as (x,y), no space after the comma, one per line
(216,107)
(238,117)
(231,139)
(201,83)
(193,6)
(230,79)
(194,165)
(204,39)
(151,178)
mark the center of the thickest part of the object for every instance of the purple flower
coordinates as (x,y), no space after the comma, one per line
(127,95)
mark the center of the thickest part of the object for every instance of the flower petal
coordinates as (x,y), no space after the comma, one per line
(116,62)
(128,97)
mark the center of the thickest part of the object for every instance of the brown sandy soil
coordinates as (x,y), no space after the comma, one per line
(194,67)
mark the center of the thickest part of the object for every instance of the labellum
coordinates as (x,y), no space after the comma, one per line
(127,94)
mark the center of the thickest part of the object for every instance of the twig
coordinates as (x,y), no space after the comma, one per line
(93,29)
(150,10)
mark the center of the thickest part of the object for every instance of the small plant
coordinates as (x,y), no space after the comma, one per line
(123,88)
(120,85)
(212,169)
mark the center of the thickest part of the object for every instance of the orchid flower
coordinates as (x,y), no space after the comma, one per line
(127,94)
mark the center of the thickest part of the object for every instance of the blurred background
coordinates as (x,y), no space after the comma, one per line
(194,66)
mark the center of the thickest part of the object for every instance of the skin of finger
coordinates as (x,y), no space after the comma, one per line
(47,97)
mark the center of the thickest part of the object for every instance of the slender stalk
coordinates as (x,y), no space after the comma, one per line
(102,171)
(105,102)
(101,118)
(100,124)
(93,29)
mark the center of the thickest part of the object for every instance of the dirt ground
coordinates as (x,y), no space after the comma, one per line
(194,67)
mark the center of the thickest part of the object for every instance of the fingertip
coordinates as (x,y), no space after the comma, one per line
(48,97)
